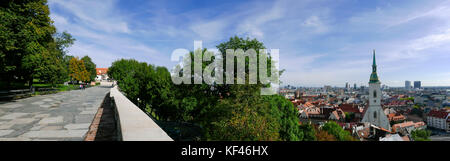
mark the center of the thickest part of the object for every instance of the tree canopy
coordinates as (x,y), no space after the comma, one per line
(77,70)
(26,35)
(421,135)
(223,111)
(90,67)
(31,48)
(337,131)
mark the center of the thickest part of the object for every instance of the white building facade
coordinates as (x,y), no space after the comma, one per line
(438,120)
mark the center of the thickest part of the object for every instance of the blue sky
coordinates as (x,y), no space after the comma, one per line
(321,42)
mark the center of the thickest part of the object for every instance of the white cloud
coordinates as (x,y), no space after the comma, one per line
(58,19)
(316,24)
(100,32)
(300,29)
(211,30)
(253,24)
(430,41)
(440,12)
(98,15)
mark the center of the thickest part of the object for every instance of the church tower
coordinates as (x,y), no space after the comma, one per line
(374,114)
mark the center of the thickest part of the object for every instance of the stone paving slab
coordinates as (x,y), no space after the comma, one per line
(54,134)
(13,106)
(64,116)
(5,132)
(15,139)
(77,126)
(22,121)
(12,116)
(5,126)
(51,120)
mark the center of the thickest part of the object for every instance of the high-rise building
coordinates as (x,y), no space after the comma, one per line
(417,84)
(328,88)
(362,88)
(375,114)
(407,85)
(355,86)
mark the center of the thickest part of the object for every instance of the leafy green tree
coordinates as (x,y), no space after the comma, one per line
(244,114)
(31,48)
(53,69)
(224,112)
(121,68)
(309,132)
(66,61)
(90,67)
(349,116)
(408,99)
(421,135)
(227,90)
(126,73)
(241,122)
(161,95)
(188,104)
(77,70)
(324,136)
(337,131)
(63,41)
(26,34)
(284,111)
(147,86)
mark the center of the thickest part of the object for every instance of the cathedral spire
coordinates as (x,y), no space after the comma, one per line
(374,61)
(374,75)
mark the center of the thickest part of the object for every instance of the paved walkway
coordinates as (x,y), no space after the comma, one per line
(64,116)
(440,138)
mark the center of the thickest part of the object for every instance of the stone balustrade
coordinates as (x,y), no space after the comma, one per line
(133,123)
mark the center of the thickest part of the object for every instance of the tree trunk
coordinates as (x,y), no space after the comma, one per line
(30,84)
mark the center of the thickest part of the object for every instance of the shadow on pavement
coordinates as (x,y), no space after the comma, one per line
(107,130)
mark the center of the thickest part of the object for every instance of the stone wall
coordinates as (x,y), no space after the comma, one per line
(133,123)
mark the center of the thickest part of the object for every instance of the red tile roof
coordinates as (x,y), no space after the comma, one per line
(395,117)
(349,108)
(395,127)
(438,114)
(101,71)
(397,103)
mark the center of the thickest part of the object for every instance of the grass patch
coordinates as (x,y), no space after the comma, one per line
(69,87)
(39,89)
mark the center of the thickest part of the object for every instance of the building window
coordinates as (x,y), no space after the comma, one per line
(374,94)
(375,115)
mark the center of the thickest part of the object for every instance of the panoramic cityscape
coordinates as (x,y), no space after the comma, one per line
(375,112)
(282,70)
